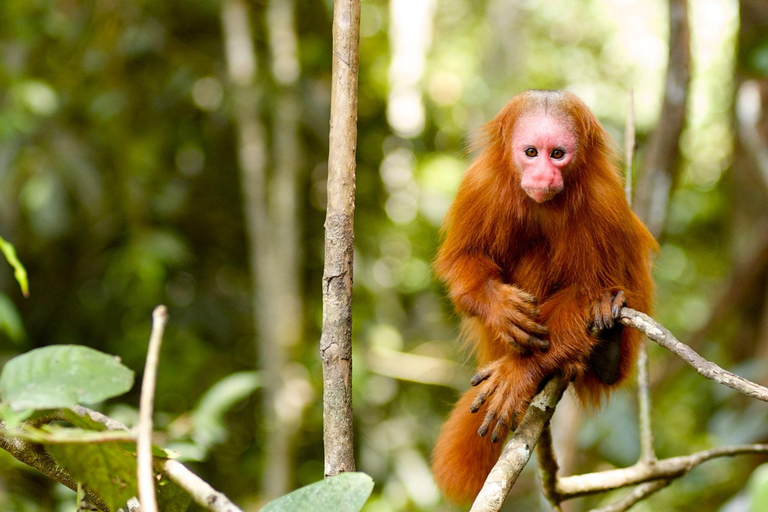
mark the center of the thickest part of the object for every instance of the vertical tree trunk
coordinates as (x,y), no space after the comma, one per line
(660,170)
(336,340)
(749,181)
(286,322)
(241,66)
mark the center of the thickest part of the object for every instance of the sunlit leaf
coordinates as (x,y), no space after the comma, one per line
(346,492)
(19,272)
(62,376)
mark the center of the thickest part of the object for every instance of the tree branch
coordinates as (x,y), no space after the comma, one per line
(519,449)
(548,467)
(673,467)
(637,494)
(666,339)
(653,474)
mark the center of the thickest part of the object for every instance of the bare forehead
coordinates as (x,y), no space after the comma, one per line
(539,123)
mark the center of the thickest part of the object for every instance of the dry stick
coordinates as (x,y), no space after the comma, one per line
(336,339)
(638,494)
(519,449)
(666,339)
(548,467)
(671,468)
(145,474)
(647,452)
(201,491)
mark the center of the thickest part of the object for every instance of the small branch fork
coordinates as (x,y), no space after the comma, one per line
(648,474)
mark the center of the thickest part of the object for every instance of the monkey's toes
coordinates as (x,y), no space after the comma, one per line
(481,376)
(607,309)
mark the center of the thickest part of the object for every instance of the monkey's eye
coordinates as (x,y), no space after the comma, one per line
(557,154)
(531,152)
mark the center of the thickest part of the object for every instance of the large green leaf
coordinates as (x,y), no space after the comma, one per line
(346,492)
(62,376)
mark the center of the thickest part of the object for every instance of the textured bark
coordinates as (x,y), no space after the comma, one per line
(336,339)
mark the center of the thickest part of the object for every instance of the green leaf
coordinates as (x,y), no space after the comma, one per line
(208,416)
(346,492)
(10,320)
(61,376)
(19,272)
(107,469)
(12,418)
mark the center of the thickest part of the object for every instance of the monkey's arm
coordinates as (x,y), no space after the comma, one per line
(476,288)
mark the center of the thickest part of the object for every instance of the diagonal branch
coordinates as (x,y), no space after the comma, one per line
(673,467)
(520,448)
(666,339)
(637,494)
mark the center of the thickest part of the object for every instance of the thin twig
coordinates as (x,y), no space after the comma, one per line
(673,467)
(666,339)
(643,380)
(629,145)
(519,449)
(145,474)
(637,494)
(548,467)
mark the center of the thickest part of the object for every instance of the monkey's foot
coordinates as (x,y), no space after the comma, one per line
(606,309)
(505,392)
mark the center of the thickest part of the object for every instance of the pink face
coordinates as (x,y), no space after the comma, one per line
(542,146)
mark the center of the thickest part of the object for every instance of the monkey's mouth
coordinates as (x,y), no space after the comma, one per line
(541,195)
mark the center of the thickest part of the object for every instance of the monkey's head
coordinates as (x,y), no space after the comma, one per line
(546,135)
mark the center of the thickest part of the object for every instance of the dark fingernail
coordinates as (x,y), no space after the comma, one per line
(494,437)
(482,430)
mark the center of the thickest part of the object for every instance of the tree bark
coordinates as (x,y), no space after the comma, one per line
(336,339)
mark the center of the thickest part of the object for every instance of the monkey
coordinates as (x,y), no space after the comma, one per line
(539,252)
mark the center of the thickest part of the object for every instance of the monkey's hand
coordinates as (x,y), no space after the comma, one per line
(513,316)
(605,310)
(505,393)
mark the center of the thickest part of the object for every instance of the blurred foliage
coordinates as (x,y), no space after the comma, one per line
(119,189)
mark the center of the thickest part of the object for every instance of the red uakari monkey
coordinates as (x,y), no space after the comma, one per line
(540,251)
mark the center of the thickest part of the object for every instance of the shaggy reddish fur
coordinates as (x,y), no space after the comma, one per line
(499,245)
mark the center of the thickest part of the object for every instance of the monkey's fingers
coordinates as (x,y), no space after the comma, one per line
(521,340)
(526,297)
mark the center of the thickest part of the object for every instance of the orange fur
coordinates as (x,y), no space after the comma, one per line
(500,247)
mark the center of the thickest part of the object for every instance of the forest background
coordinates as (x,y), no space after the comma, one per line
(122,128)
